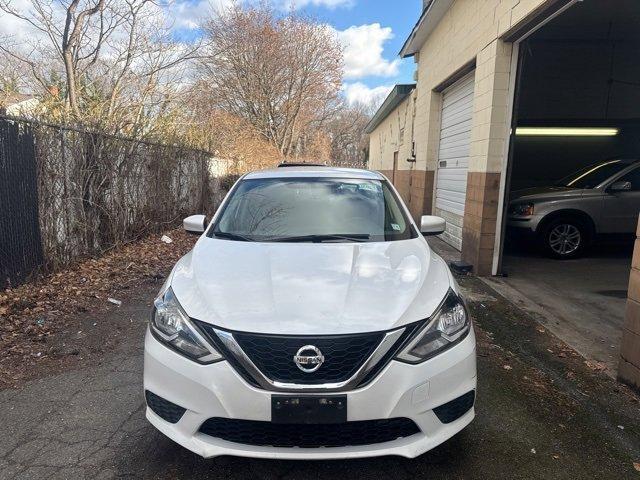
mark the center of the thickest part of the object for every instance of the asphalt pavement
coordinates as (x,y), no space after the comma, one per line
(541,413)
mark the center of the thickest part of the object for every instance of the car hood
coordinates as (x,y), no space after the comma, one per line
(310,288)
(545,193)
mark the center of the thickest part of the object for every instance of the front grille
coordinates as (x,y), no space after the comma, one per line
(367,432)
(166,410)
(454,409)
(273,355)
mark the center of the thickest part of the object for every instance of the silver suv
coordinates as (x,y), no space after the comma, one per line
(601,199)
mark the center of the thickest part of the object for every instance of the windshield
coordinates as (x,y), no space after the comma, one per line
(594,175)
(313,209)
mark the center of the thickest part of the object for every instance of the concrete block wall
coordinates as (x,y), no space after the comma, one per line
(394,134)
(469,32)
(629,367)
(489,137)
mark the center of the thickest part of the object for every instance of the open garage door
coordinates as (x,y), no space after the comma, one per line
(573,190)
(453,157)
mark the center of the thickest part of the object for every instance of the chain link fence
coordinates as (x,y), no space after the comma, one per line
(66,194)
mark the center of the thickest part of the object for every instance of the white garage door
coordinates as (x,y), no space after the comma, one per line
(453,157)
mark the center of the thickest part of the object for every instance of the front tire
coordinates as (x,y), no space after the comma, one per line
(565,238)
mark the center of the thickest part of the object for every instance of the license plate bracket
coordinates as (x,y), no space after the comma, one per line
(308,409)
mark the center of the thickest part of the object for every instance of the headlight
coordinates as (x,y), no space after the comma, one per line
(171,325)
(448,326)
(522,209)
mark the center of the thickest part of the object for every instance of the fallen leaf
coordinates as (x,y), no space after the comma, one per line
(507,367)
(594,365)
(636,465)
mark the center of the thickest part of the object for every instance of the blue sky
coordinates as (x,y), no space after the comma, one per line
(399,16)
(372,33)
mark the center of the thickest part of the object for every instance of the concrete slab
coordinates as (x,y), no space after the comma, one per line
(581,301)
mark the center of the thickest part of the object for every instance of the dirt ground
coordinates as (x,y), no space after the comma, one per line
(49,325)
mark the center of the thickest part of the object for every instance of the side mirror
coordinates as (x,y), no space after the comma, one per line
(620,186)
(195,224)
(432,225)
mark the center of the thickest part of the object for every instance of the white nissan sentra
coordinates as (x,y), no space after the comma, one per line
(311,320)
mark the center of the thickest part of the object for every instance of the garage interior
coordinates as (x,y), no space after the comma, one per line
(582,69)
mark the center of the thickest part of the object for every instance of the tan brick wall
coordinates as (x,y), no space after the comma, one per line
(469,32)
(629,367)
(394,134)
(479,229)
(421,193)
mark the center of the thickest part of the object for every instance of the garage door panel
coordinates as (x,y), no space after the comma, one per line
(453,151)
(457,91)
(453,157)
(455,133)
(456,129)
(452,198)
(455,101)
(453,185)
(458,124)
(459,140)
(457,113)
(453,234)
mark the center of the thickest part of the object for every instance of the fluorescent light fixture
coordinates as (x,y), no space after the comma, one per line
(568,131)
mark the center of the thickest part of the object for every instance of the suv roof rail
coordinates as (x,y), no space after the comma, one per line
(300,164)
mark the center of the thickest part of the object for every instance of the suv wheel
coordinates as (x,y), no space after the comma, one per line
(565,238)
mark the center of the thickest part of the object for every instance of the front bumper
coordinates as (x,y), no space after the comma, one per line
(400,390)
(524,224)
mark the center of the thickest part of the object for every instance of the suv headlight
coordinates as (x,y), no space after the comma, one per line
(172,326)
(522,209)
(448,326)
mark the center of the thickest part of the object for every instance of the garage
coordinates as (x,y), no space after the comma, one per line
(453,157)
(572,189)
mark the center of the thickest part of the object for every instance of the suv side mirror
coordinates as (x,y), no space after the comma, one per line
(432,225)
(620,186)
(195,224)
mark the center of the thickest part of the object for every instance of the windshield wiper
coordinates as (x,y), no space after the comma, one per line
(356,237)
(233,236)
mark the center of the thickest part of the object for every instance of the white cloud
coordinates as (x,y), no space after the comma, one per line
(188,14)
(358,92)
(15,29)
(331,4)
(363,47)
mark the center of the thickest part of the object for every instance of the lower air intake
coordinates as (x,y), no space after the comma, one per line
(367,432)
(166,410)
(454,409)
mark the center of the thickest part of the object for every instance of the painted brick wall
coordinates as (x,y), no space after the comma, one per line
(470,31)
(393,135)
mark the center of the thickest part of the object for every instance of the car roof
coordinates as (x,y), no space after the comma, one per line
(315,172)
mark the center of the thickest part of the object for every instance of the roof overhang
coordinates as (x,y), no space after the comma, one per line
(395,98)
(431,16)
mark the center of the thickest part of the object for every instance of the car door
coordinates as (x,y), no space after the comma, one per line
(621,209)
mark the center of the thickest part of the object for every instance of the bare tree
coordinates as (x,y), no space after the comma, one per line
(281,74)
(118,62)
(349,142)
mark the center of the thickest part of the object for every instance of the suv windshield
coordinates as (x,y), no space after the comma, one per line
(594,175)
(313,210)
